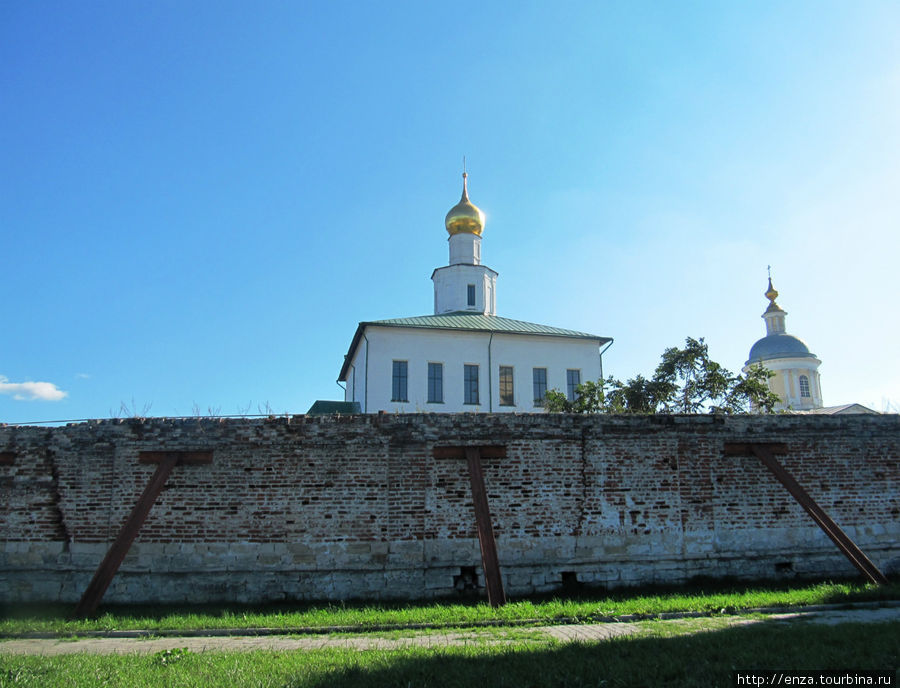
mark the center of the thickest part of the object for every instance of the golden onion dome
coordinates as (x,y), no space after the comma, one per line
(465,216)
(771,294)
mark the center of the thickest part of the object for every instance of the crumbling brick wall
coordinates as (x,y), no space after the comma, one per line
(357,506)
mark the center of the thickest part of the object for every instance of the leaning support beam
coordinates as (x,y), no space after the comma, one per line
(766,454)
(489,559)
(166,462)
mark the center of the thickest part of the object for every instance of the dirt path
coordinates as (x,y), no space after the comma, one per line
(572,633)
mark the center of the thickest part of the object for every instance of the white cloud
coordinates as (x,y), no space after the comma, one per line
(31,391)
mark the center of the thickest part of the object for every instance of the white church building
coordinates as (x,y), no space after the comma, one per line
(796,380)
(464,357)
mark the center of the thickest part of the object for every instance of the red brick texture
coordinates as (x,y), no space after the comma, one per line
(322,506)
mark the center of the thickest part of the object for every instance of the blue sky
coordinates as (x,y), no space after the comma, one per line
(200,200)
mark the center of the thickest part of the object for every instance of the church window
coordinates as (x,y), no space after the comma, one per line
(573,379)
(470,382)
(435,383)
(470,294)
(400,377)
(804,386)
(539,377)
(507,398)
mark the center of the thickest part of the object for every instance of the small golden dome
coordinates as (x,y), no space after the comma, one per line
(771,294)
(465,216)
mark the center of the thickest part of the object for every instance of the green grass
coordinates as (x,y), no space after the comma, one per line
(701,659)
(708,598)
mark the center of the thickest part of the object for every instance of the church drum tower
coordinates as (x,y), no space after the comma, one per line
(796,379)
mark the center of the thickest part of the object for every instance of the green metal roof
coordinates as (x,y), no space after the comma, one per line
(461,320)
(466,322)
(323,407)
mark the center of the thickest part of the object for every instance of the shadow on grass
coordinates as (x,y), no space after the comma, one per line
(702,659)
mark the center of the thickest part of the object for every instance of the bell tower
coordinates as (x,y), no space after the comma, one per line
(465,285)
(796,380)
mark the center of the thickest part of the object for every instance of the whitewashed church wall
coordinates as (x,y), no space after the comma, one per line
(556,354)
(356,378)
(418,348)
(457,349)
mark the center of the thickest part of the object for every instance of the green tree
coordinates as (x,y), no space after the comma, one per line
(591,398)
(686,380)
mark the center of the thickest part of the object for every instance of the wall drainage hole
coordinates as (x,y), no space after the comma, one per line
(466,580)
(570,580)
(784,567)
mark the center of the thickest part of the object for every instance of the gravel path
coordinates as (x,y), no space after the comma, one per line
(568,633)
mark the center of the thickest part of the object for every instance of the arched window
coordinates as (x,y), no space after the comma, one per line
(804,386)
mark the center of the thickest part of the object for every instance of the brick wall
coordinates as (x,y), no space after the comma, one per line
(356,506)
